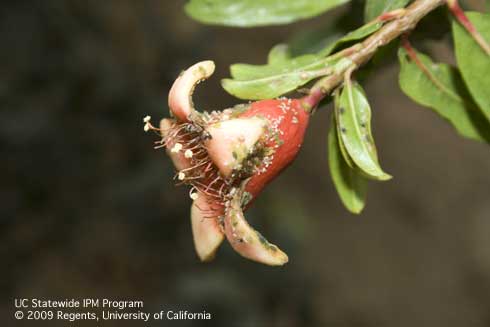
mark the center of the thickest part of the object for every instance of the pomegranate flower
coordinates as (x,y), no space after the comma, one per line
(227,157)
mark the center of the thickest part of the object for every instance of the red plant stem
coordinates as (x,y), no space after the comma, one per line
(413,55)
(363,51)
(459,14)
(313,98)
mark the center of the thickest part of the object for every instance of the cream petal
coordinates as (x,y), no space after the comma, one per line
(247,241)
(206,231)
(180,95)
(232,141)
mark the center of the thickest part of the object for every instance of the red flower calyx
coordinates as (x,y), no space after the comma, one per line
(228,157)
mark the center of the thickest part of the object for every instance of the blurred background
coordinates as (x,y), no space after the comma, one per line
(89,209)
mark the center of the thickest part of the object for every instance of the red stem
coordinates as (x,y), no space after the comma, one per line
(460,16)
(413,56)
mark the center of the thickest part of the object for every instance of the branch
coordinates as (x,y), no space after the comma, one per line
(362,52)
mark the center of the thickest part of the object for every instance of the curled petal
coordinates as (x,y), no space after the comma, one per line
(232,141)
(247,241)
(178,157)
(180,95)
(206,229)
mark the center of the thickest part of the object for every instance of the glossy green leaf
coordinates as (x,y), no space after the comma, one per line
(473,62)
(354,120)
(280,75)
(441,88)
(374,8)
(247,13)
(351,186)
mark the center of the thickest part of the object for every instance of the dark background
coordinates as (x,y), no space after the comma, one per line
(88,208)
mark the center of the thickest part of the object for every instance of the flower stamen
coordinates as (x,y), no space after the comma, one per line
(188,153)
(176,148)
(193,195)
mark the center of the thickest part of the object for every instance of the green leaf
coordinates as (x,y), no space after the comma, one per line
(352,36)
(353,115)
(279,62)
(248,13)
(282,74)
(473,62)
(374,8)
(442,89)
(342,148)
(278,54)
(349,183)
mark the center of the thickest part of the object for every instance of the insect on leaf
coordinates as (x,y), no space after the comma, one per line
(354,121)
(340,142)
(350,184)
